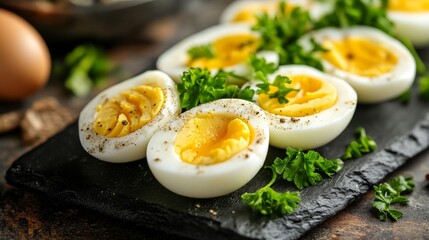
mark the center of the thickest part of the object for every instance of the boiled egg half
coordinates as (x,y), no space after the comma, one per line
(245,11)
(118,123)
(376,65)
(210,150)
(411,18)
(229,46)
(315,114)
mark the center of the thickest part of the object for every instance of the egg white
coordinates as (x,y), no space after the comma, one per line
(206,181)
(370,89)
(133,145)
(411,25)
(318,129)
(173,61)
(315,8)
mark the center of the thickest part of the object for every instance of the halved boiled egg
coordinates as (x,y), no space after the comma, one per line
(411,18)
(210,150)
(316,113)
(118,123)
(376,65)
(246,11)
(219,47)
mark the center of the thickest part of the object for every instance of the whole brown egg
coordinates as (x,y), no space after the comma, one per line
(25,63)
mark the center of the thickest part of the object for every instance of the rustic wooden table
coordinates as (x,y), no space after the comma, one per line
(24,215)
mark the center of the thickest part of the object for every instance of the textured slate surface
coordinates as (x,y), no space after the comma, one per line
(60,169)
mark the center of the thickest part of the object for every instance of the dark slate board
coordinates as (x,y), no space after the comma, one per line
(61,170)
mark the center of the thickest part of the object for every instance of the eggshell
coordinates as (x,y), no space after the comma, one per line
(25,63)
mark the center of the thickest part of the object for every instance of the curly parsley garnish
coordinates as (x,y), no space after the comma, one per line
(280,34)
(269,202)
(201,51)
(305,169)
(198,86)
(261,69)
(390,193)
(363,144)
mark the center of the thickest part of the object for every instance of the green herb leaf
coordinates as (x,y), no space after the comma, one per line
(201,51)
(85,67)
(305,169)
(363,144)
(259,64)
(347,13)
(269,202)
(390,193)
(280,33)
(424,87)
(198,86)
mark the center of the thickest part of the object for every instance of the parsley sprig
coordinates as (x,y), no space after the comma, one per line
(280,34)
(261,69)
(269,202)
(201,51)
(364,144)
(346,13)
(390,193)
(305,168)
(198,86)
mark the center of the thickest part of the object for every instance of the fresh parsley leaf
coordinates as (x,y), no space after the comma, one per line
(202,51)
(363,144)
(390,193)
(280,33)
(424,87)
(198,86)
(269,202)
(305,169)
(280,83)
(85,67)
(261,69)
(347,13)
(259,64)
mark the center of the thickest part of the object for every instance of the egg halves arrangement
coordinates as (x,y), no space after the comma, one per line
(217,147)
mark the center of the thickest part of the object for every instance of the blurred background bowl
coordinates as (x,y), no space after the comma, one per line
(69,20)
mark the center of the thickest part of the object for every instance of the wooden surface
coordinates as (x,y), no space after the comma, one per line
(24,215)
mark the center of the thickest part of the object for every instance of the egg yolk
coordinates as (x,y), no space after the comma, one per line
(314,96)
(360,56)
(409,5)
(229,50)
(128,111)
(212,138)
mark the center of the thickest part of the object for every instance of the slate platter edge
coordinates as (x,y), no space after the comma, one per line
(371,172)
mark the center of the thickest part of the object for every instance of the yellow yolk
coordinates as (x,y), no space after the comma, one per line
(313,97)
(229,51)
(128,111)
(212,138)
(248,14)
(409,5)
(360,56)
